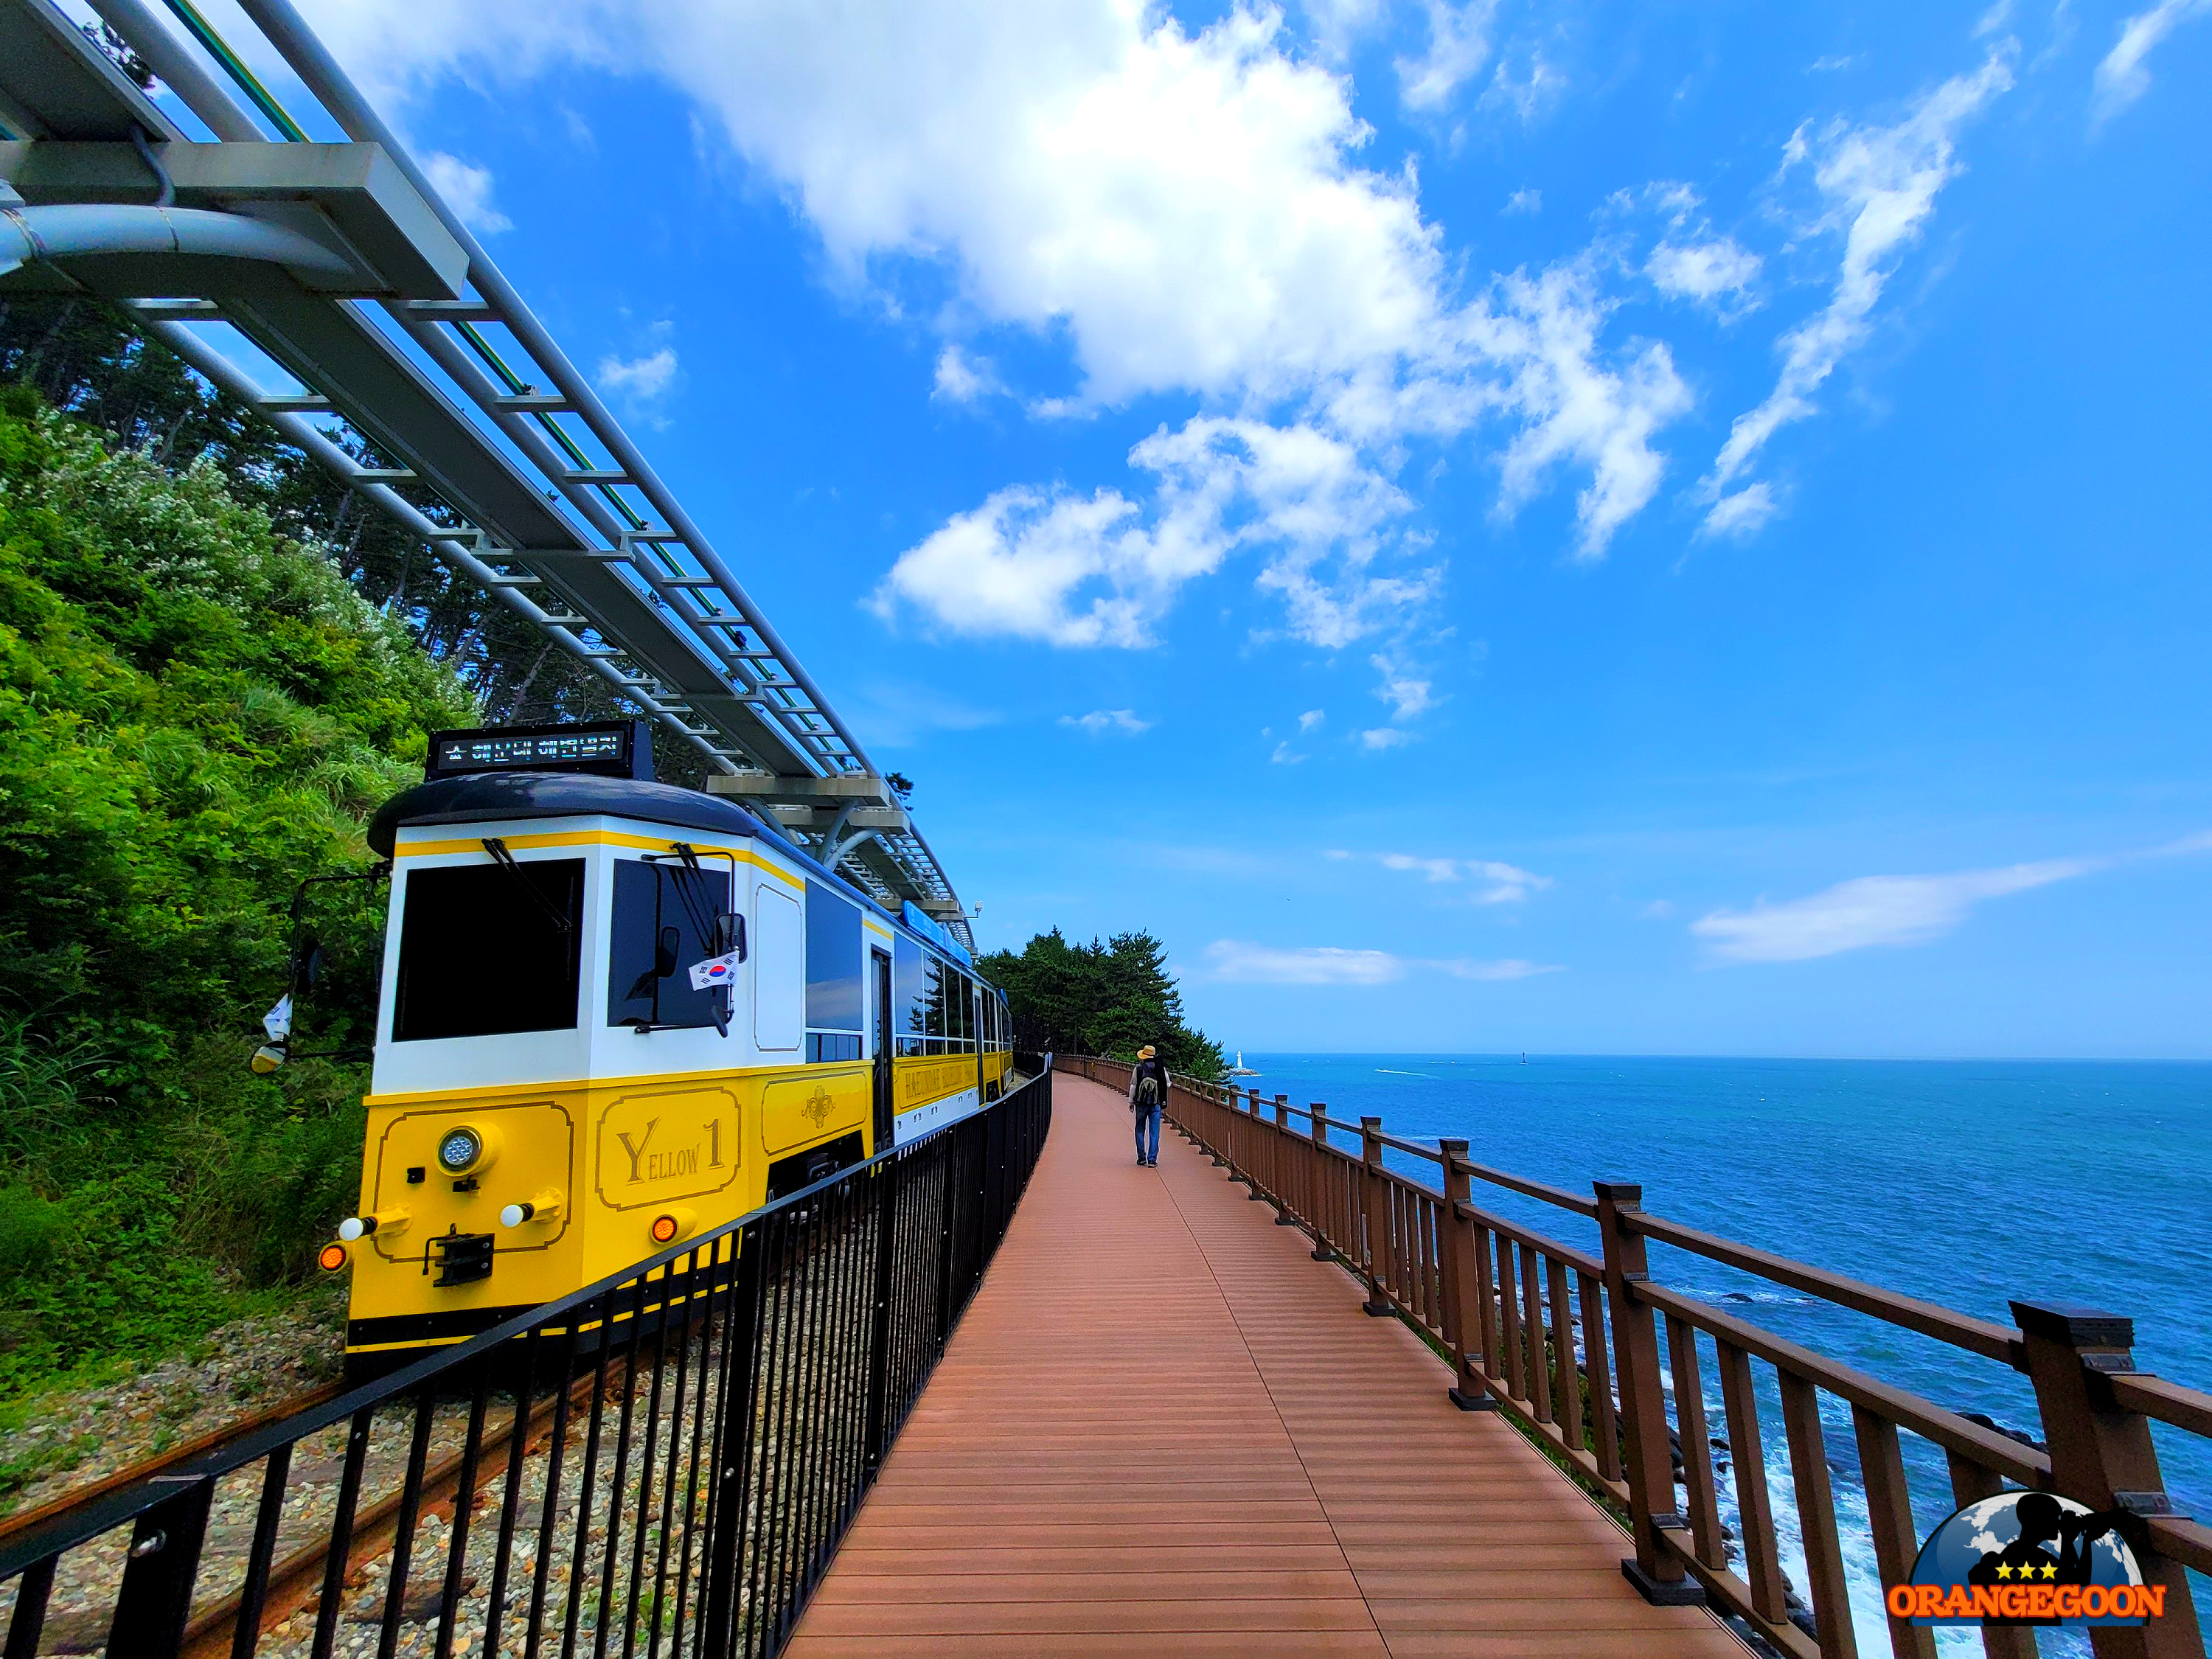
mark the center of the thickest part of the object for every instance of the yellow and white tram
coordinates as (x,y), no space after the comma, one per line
(614,1013)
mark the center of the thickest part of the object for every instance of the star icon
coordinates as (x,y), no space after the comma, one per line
(2050,1572)
(2003,1571)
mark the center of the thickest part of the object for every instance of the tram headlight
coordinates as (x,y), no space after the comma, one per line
(671,1225)
(333,1257)
(355,1227)
(457,1149)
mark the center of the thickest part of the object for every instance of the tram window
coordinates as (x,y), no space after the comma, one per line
(933,991)
(833,961)
(650,899)
(481,953)
(910,1019)
(832,1045)
(961,1000)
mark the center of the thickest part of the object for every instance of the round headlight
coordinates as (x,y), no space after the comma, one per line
(459,1149)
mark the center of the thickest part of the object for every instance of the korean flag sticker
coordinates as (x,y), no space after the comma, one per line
(715,970)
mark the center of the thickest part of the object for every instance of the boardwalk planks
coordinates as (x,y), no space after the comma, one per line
(1163,1428)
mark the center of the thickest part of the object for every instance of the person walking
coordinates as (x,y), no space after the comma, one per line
(1148,1094)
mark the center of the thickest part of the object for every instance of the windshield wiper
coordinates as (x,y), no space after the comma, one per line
(506,860)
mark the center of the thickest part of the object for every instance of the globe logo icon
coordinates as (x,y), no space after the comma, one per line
(2027,1559)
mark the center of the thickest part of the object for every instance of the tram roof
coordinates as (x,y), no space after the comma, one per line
(487,796)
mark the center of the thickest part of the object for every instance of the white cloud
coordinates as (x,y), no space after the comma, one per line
(1897,910)
(1017,566)
(1500,882)
(1313,964)
(1742,514)
(1309,719)
(1284,756)
(1458,48)
(1326,964)
(1099,722)
(640,380)
(2124,75)
(1717,273)
(1879,184)
(962,379)
(1435,869)
(467,189)
(1385,737)
(1871,910)
(1504,968)
(1185,210)
(1523,201)
(1571,406)
(1077,571)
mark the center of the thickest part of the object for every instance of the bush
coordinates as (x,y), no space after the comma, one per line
(196,714)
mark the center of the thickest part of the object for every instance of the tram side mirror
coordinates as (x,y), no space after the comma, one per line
(730,935)
(664,953)
(307,962)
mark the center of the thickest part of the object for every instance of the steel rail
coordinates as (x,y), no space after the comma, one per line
(161,1462)
(294,1582)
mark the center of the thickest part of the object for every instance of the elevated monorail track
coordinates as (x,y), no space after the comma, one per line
(238,240)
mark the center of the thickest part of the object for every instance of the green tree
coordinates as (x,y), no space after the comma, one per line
(1109,999)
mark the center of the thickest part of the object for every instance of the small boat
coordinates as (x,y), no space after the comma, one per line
(1240,1069)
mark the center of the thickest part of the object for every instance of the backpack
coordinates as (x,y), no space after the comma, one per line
(1148,1090)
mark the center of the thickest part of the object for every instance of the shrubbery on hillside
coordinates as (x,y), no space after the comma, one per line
(1109,999)
(195,714)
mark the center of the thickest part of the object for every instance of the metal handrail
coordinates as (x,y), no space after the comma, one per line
(833,1303)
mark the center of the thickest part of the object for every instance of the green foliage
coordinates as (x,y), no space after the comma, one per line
(1109,999)
(92,363)
(195,713)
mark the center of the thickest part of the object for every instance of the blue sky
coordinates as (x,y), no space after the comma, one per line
(1591,527)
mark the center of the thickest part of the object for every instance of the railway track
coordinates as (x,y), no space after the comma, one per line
(301,1576)
(305,1573)
(161,1462)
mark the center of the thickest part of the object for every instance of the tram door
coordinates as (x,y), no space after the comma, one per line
(880,967)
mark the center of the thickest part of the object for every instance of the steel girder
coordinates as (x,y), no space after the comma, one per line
(541,497)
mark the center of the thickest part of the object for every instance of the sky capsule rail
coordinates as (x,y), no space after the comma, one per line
(613,1014)
(219,218)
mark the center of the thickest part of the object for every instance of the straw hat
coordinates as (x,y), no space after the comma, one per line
(1145,1053)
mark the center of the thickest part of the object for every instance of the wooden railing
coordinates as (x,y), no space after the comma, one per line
(1625,1407)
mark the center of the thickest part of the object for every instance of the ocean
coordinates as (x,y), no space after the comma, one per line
(1965,1183)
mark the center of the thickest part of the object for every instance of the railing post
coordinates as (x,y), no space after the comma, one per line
(879,1339)
(156,1594)
(1657,1572)
(2101,1454)
(1377,1231)
(1317,1128)
(1467,1391)
(1261,1148)
(1280,1145)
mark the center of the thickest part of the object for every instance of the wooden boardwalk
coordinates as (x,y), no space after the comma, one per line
(1162,1428)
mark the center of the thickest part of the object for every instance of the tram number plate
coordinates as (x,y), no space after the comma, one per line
(462,1258)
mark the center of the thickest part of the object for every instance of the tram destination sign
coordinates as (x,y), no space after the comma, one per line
(614,749)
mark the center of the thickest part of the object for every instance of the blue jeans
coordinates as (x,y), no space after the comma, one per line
(1148,1122)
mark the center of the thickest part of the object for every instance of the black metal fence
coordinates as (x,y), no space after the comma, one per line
(660,1464)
